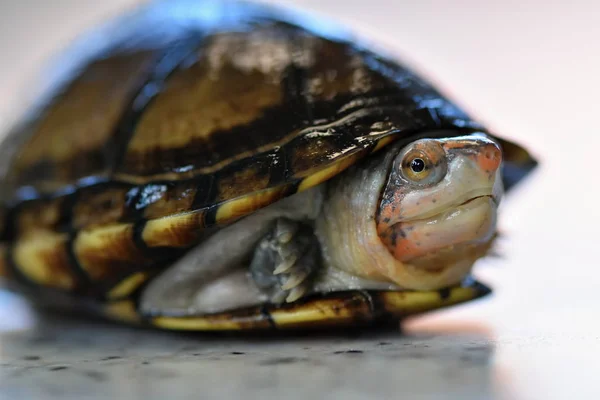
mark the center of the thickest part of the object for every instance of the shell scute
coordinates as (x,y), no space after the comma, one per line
(63,148)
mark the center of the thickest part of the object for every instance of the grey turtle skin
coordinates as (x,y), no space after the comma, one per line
(415,216)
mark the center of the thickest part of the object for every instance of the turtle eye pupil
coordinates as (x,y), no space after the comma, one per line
(417,165)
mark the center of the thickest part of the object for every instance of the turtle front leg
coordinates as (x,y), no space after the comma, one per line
(285,260)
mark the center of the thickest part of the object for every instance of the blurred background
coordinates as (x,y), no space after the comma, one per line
(529,70)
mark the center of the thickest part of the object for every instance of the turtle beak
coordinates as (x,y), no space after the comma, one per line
(485,152)
(489,160)
(489,157)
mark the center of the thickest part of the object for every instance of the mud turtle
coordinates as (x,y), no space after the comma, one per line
(204,165)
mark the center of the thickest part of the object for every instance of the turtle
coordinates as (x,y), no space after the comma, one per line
(226,165)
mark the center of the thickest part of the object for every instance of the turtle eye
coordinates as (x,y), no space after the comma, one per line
(424,165)
(416,167)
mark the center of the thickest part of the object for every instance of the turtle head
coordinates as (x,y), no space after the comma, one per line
(416,217)
(437,211)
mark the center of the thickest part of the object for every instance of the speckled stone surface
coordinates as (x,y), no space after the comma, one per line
(75,359)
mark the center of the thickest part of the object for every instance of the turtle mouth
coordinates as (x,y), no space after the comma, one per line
(440,238)
(439,247)
(477,197)
(462,201)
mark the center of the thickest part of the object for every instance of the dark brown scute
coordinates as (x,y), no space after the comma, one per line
(167,199)
(111,253)
(72,139)
(181,232)
(43,215)
(42,257)
(99,207)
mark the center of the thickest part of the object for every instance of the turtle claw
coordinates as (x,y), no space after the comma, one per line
(296,293)
(285,230)
(285,265)
(294,280)
(285,260)
(289,296)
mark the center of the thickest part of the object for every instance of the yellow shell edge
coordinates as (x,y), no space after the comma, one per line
(330,312)
(127,286)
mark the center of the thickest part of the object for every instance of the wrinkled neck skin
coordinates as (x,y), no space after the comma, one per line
(353,253)
(372,236)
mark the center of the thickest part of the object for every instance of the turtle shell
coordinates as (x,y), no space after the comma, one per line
(183,117)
